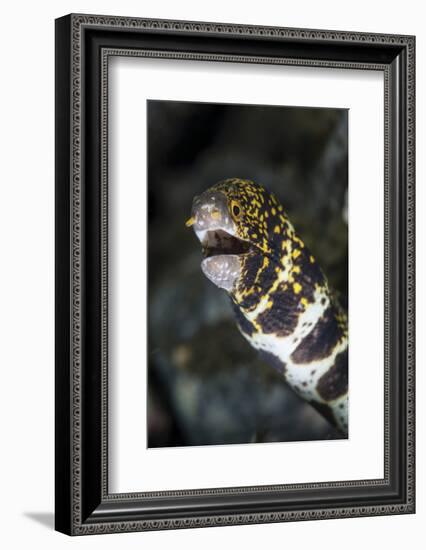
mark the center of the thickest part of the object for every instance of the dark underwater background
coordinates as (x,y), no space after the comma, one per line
(206,385)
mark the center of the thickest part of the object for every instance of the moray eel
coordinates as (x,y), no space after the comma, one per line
(281,299)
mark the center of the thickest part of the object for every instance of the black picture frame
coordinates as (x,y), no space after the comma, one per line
(83,45)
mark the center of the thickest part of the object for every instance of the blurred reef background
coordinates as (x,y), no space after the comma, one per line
(206,385)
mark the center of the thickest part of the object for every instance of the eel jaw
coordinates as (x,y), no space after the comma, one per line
(223,254)
(223,270)
(216,230)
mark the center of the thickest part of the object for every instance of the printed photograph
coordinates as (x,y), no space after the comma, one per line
(247,274)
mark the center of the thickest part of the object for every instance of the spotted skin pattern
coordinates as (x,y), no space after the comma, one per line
(283,304)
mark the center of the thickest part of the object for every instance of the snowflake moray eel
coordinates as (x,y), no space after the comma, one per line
(281,299)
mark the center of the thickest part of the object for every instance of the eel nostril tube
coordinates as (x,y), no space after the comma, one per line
(190,222)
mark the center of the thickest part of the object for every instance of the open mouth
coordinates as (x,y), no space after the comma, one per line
(218,242)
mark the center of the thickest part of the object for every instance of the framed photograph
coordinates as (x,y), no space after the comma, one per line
(234,274)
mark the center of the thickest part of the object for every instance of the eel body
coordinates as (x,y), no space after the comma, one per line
(281,299)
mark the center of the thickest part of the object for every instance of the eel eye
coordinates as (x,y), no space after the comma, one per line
(236,209)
